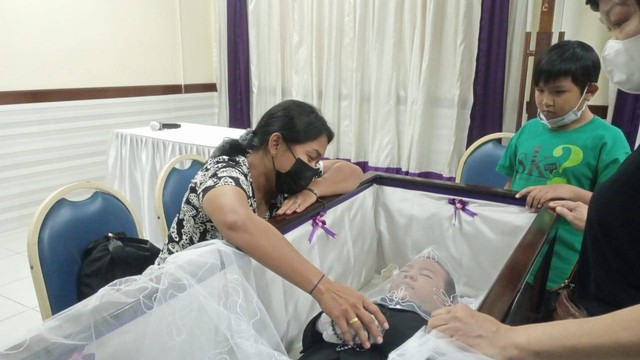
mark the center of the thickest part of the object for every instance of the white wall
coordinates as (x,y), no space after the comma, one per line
(92,43)
(198,41)
(99,43)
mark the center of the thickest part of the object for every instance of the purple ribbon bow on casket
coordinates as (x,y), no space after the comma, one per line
(318,222)
(460,205)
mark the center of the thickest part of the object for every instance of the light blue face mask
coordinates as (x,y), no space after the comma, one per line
(566,119)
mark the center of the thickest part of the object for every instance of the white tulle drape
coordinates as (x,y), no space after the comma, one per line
(393,78)
(201,304)
(434,346)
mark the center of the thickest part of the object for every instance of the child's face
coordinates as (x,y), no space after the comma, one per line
(419,281)
(557,98)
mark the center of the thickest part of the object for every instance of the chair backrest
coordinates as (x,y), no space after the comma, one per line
(62,228)
(172,186)
(478,164)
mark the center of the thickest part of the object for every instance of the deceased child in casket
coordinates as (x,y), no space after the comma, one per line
(422,286)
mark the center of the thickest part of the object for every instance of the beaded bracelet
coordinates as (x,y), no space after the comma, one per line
(333,329)
(312,191)
(343,345)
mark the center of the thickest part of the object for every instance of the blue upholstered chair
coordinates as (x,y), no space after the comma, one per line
(172,185)
(62,228)
(479,161)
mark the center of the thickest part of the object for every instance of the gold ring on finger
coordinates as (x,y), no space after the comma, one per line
(355,319)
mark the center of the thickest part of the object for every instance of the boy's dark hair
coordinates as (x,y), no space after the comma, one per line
(297,122)
(569,58)
(595,4)
(449,284)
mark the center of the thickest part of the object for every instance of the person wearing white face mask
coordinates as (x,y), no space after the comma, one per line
(566,151)
(607,282)
(563,122)
(620,58)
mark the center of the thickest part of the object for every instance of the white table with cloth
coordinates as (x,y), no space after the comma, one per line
(137,156)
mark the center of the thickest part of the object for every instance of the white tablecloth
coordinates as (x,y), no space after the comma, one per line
(137,156)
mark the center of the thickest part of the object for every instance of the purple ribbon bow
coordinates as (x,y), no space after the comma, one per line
(460,205)
(318,222)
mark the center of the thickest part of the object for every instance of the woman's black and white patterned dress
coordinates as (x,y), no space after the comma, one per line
(192,225)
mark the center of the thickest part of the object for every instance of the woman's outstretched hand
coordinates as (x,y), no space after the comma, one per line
(350,309)
(476,330)
(575,212)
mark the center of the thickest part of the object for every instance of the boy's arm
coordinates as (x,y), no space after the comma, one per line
(507,186)
(613,151)
(537,196)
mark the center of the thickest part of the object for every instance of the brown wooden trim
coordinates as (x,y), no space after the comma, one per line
(49,95)
(600,110)
(200,88)
(547,9)
(524,71)
(513,274)
(543,43)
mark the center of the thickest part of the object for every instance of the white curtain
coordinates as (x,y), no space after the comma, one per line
(219,9)
(393,78)
(519,14)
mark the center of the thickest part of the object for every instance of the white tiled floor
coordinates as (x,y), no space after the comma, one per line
(18,304)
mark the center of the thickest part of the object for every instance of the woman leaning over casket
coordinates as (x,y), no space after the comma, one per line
(272,170)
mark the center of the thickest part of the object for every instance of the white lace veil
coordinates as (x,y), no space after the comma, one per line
(434,346)
(399,297)
(198,305)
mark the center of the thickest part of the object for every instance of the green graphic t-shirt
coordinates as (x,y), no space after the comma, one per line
(583,157)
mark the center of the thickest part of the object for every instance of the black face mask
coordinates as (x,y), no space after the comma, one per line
(295,179)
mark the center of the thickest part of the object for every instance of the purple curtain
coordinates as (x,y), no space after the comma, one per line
(626,115)
(238,64)
(488,85)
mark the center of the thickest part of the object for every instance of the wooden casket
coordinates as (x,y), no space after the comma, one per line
(491,239)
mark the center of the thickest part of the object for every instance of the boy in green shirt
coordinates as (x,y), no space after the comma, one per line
(566,149)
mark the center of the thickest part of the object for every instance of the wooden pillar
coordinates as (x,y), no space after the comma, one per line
(547,9)
(544,36)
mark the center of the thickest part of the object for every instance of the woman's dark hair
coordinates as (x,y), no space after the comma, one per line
(595,4)
(569,58)
(297,121)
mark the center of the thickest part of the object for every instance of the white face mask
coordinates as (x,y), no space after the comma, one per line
(566,119)
(621,62)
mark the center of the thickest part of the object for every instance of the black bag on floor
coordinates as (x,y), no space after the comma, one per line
(113,256)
